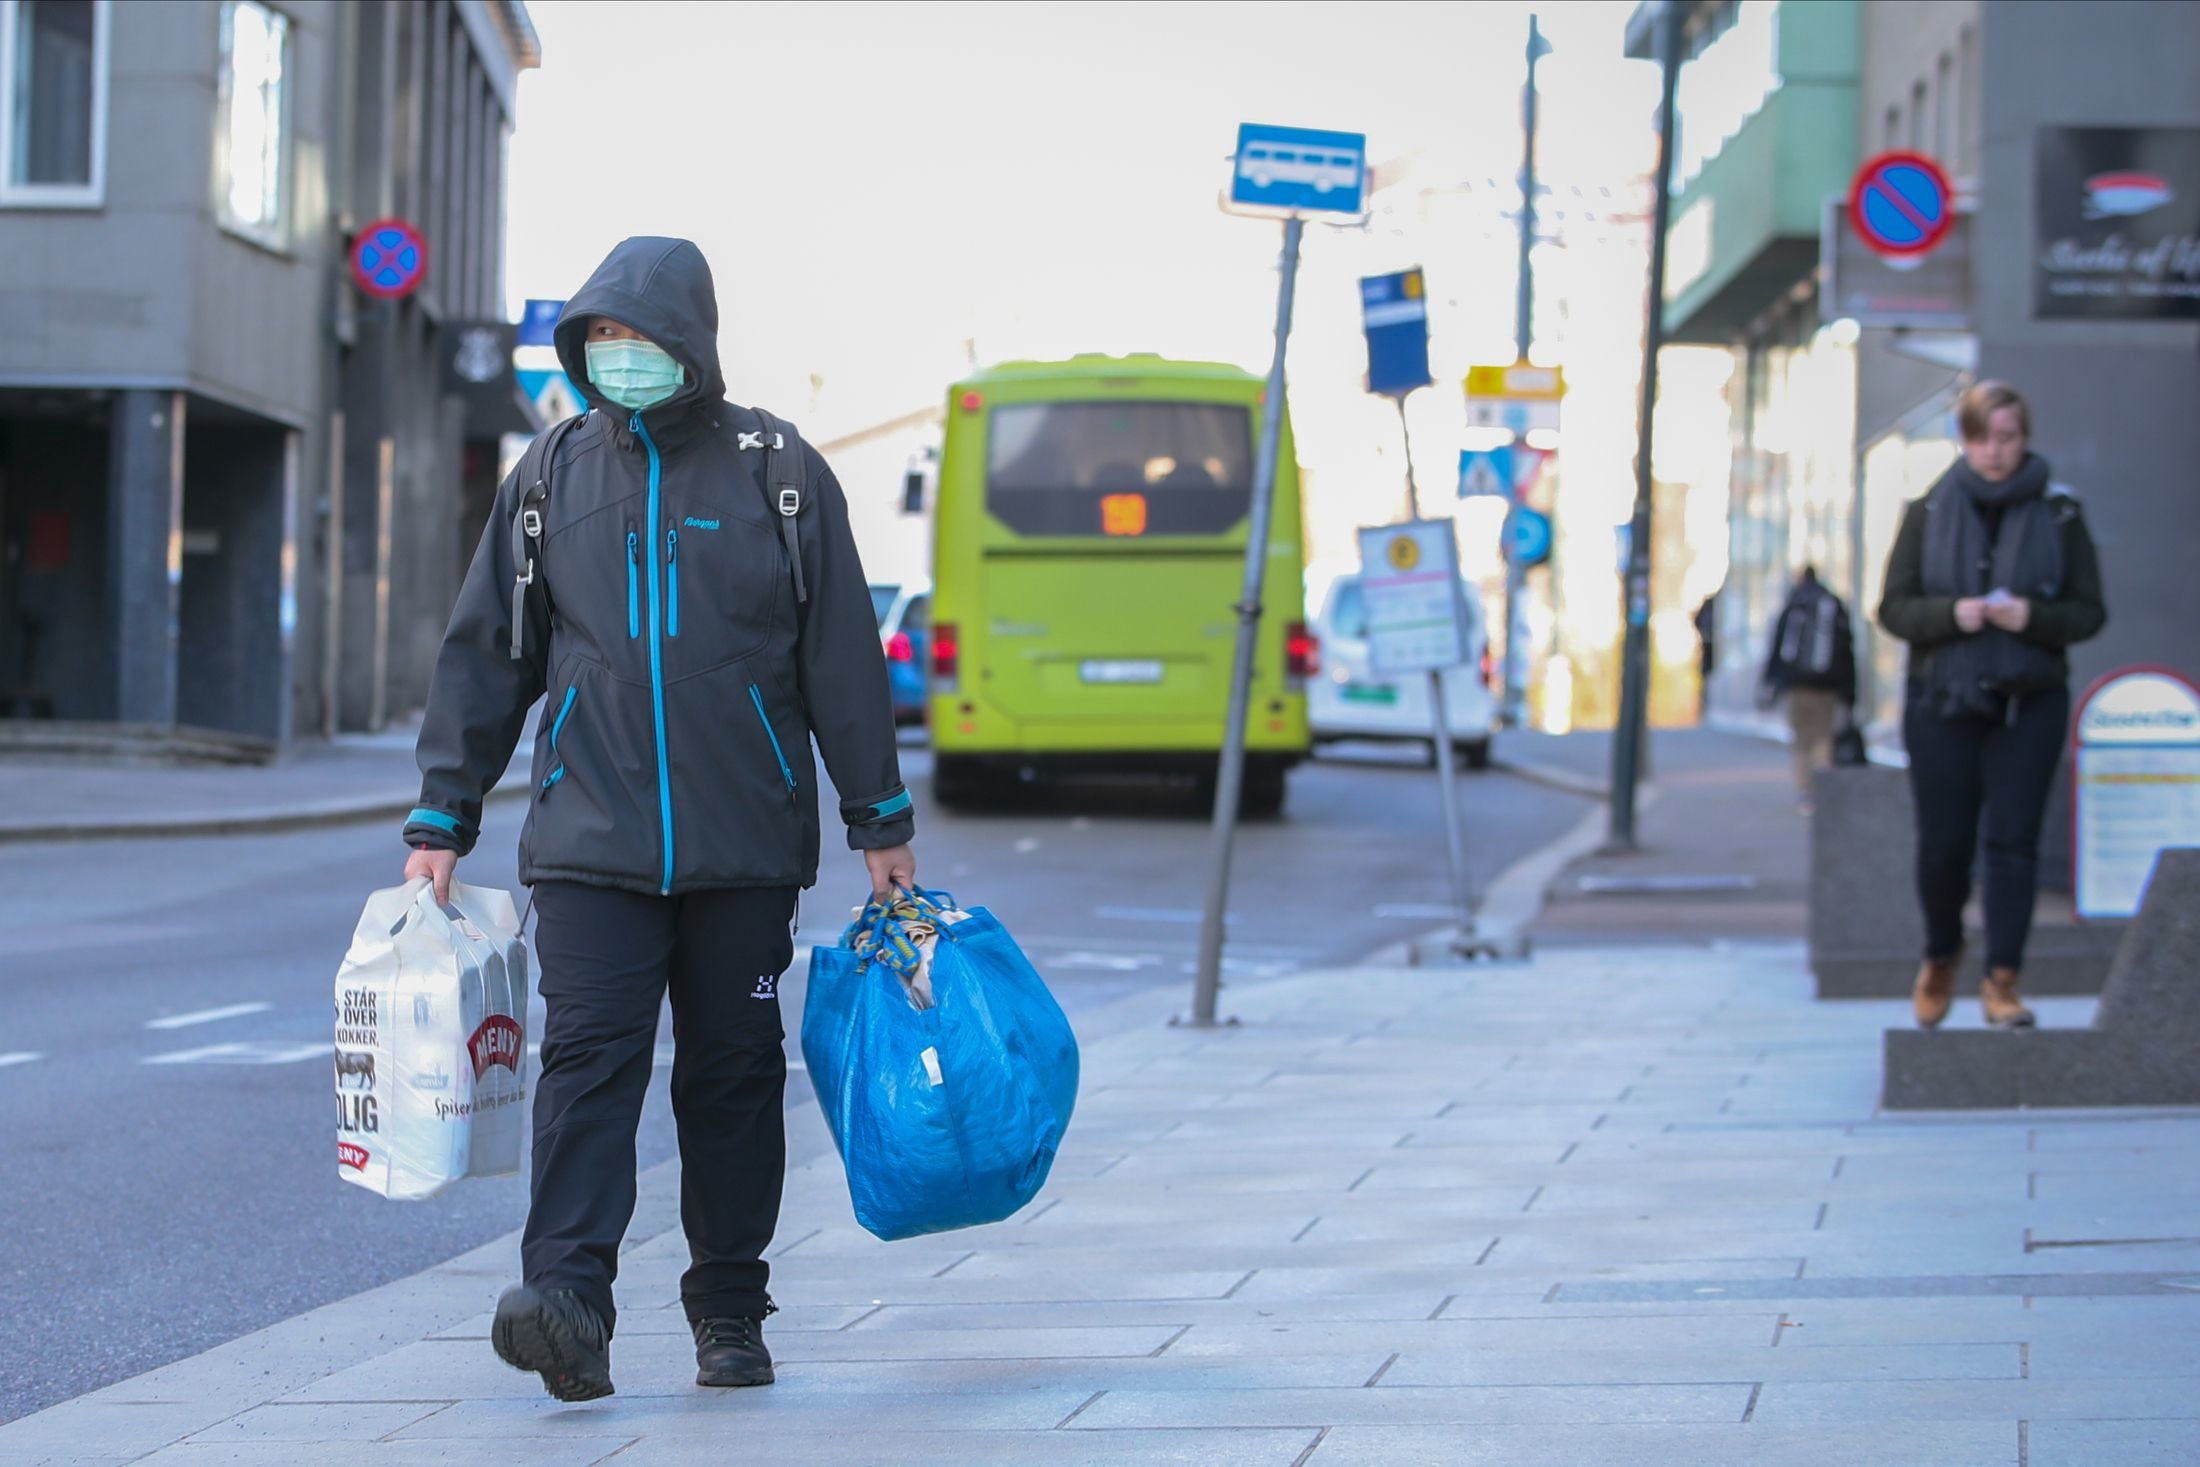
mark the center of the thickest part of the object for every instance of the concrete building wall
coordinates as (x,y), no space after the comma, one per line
(2116,404)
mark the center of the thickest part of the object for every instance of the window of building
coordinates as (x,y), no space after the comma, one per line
(1894,127)
(1944,102)
(53,102)
(253,131)
(1917,118)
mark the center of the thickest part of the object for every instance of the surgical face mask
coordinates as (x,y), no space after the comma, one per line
(634,374)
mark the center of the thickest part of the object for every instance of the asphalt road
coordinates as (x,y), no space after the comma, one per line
(165,1175)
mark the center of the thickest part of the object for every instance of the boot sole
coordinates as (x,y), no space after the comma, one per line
(726,1380)
(529,1336)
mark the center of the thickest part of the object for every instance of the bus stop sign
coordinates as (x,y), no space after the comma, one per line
(2136,784)
(1299,170)
(1395,311)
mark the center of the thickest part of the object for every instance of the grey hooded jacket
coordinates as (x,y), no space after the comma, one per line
(684,681)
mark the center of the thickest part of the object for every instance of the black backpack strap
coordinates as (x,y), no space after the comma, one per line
(527,523)
(783,479)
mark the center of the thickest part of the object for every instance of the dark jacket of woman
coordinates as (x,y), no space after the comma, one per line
(1969,537)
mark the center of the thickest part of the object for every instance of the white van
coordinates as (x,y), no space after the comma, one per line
(1350,701)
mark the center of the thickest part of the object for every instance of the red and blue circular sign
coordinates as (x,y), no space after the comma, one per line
(1901,204)
(389,259)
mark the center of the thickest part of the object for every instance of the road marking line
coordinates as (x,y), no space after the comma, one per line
(207,1016)
(19,1057)
(256,1053)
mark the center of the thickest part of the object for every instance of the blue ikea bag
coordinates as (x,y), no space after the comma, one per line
(946,1117)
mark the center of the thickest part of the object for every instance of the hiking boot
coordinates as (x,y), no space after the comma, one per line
(730,1352)
(1936,989)
(558,1337)
(1998,995)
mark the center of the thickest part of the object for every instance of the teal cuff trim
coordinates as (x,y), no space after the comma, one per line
(433,817)
(891,807)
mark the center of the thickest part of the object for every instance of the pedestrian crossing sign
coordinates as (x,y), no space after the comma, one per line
(1485,471)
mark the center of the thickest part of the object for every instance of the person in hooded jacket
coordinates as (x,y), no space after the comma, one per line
(684,666)
(1992,576)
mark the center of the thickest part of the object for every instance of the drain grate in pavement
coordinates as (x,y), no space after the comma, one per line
(1926,1286)
(1672,885)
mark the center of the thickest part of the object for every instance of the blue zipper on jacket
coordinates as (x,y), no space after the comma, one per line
(564,712)
(657,648)
(757,697)
(633,585)
(672,574)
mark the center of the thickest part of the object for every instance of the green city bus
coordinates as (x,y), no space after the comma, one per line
(1088,555)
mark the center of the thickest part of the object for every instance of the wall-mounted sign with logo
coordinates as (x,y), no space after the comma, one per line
(2118,232)
(2137,785)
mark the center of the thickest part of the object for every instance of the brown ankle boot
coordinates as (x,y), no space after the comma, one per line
(1936,989)
(1998,995)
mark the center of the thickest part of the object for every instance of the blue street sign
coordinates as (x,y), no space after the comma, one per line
(1528,536)
(1300,170)
(538,323)
(1395,310)
(1486,471)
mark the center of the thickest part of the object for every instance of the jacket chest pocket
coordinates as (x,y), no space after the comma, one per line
(723,580)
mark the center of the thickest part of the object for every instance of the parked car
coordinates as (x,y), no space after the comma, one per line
(904,629)
(1351,701)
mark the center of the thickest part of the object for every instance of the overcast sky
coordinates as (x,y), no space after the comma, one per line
(877,184)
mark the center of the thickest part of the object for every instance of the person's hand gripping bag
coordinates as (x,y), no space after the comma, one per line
(946,1116)
(431,1052)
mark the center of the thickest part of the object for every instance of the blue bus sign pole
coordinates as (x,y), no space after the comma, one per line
(1293,172)
(1394,312)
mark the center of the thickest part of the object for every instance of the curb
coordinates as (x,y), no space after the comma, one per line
(1550,776)
(252,822)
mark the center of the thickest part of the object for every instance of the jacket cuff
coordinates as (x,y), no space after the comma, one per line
(438,831)
(881,821)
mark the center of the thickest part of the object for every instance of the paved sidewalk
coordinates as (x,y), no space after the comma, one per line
(1611,1207)
(352,777)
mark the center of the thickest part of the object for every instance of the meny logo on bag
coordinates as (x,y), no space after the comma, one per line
(496,1042)
(351,1155)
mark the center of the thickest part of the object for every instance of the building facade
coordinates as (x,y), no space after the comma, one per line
(1845,376)
(235,489)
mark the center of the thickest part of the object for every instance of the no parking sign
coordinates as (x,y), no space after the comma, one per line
(1901,204)
(389,259)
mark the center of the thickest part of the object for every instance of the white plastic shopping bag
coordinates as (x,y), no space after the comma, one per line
(431,1041)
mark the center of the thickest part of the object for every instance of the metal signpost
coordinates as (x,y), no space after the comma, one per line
(1519,399)
(1417,624)
(2136,787)
(1294,172)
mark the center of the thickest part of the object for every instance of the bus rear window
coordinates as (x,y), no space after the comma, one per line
(1076,468)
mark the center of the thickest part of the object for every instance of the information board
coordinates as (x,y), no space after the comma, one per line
(2137,784)
(1416,609)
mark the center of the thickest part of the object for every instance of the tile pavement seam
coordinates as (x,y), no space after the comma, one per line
(1486,1252)
(1231,1292)
(1164,1345)
(958,1263)
(1383,1370)
(619,1451)
(1042,1212)
(2024,1444)
(1302,1232)
(851,1324)
(1528,1206)
(393,1431)
(782,1252)
(1090,1401)
(1750,1410)
(1438,1312)
(1312,1447)
(1363,1176)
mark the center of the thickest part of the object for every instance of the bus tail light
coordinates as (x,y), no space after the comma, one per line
(946,657)
(900,649)
(1302,652)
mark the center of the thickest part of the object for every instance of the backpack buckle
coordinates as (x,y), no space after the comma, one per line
(790,502)
(758,440)
(526,577)
(530,520)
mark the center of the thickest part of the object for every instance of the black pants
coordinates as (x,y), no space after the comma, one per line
(1960,767)
(607,959)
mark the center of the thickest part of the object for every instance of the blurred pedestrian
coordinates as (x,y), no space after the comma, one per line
(1707,652)
(709,617)
(1992,576)
(1812,664)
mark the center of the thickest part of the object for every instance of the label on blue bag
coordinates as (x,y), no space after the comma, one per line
(931,1058)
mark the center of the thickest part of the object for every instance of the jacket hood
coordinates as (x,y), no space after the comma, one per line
(662,288)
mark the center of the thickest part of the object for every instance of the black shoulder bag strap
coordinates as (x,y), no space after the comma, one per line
(783,479)
(527,524)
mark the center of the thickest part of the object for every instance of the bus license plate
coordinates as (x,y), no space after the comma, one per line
(1121,672)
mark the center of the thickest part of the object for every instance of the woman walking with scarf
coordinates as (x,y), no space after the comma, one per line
(1993,575)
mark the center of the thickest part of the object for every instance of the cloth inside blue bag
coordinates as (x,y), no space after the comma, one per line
(947,1116)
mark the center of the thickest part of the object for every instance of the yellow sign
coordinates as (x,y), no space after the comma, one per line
(1413,285)
(1404,553)
(1520,380)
